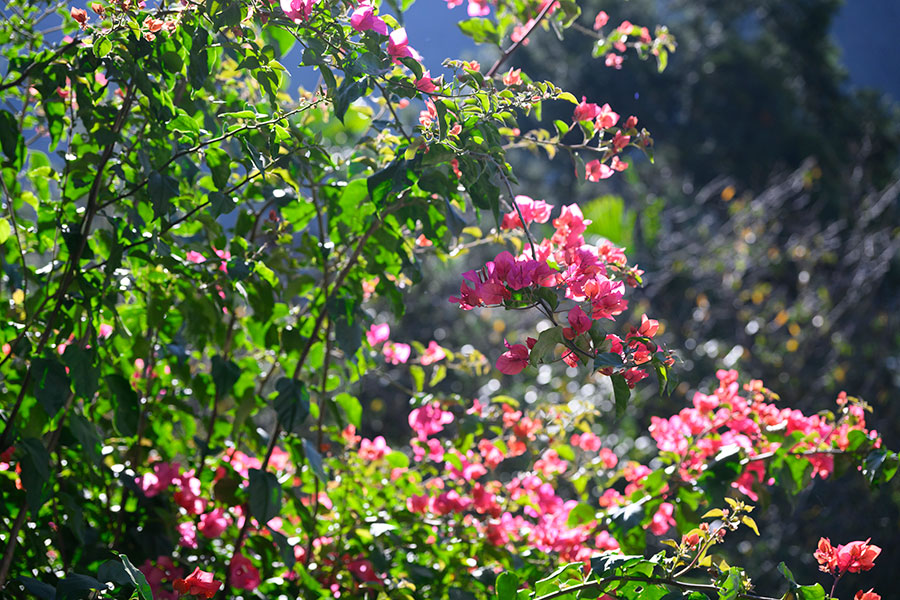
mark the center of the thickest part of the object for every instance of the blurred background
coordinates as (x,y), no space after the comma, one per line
(768,226)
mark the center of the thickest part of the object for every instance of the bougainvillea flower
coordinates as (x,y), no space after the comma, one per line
(596,170)
(433,354)
(429,420)
(364,19)
(585,111)
(378,333)
(398,46)
(198,583)
(514,360)
(242,574)
(396,353)
(297,10)
(857,556)
(870,595)
(213,523)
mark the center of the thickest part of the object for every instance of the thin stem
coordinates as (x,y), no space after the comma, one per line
(515,46)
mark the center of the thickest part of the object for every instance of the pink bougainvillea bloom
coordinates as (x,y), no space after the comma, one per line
(662,519)
(363,570)
(418,504)
(585,111)
(105,331)
(596,170)
(213,523)
(163,475)
(857,556)
(588,442)
(398,46)
(373,449)
(613,60)
(631,122)
(826,556)
(870,595)
(429,420)
(423,242)
(533,211)
(579,323)
(396,353)
(514,360)
(433,354)
(364,19)
(242,574)
(479,8)
(194,257)
(513,77)
(608,458)
(297,10)
(600,20)
(378,333)
(80,16)
(426,83)
(187,535)
(606,118)
(198,583)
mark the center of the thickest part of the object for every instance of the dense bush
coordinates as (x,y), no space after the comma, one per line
(193,256)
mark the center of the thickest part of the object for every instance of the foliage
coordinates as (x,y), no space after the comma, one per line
(191,255)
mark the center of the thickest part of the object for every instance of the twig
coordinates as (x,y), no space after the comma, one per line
(515,46)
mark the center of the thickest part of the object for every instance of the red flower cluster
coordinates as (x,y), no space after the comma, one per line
(846,558)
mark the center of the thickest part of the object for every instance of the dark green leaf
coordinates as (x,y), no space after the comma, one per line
(51,384)
(546,342)
(35,472)
(127,405)
(225,374)
(265,495)
(137,579)
(507,584)
(292,403)
(315,460)
(622,393)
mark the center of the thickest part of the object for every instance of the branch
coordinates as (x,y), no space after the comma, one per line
(515,46)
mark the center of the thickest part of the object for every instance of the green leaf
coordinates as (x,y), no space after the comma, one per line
(622,393)
(506,585)
(265,495)
(880,466)
(11,141)
(315,460)
(292,403)
(581,514)
(225,374)
(731,587)
(36,588)
(546,342)
(137,579)
(35,472)
(480,30)
(349,90)
(113,571)
(5,231)
(51,384)
(418,375)
(219,164)
(607,359)
(381,182)
(85,375)
(102,47)
(351,406)
(127,406)
(74,586)
(397,460)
